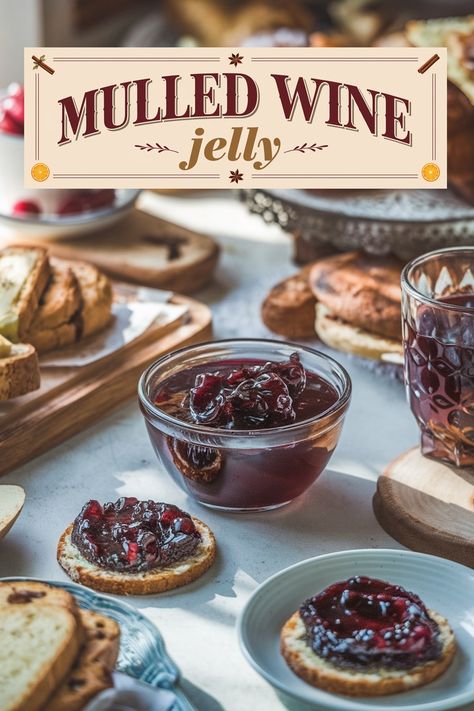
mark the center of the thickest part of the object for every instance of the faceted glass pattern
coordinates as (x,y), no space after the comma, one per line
(438,334)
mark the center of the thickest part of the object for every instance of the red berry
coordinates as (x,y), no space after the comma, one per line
(184,525)
(92,508)
(132,552)
(8,125)
(26,207)
(14,107)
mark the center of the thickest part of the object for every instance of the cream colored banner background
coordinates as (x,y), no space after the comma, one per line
(311,155)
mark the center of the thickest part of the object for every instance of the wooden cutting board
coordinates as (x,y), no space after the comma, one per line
(428,506)
(71,399)
(142,249)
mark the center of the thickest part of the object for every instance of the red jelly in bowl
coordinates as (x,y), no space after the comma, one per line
(244,424)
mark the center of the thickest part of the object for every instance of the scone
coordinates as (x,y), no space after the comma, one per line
(289,308)
(155,547)
(367,637)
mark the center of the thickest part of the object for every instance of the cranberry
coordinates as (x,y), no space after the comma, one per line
(206,399)
(132,552)
(257,395)
(14,107)
(26,207)
(8,124)
(262,401)
(132,535)
(184,525)
(364,622)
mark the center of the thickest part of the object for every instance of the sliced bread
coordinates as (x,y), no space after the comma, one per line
(31,593)
(38,647)
(24,274)
(346,337)
(91,673)
(96,299)
(19,369)
(152,581)
(60,300)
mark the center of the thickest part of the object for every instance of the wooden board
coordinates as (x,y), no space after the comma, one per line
(71,399)
(428,506)
(142,249)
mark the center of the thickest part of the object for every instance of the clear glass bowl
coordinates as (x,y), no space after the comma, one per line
(244,470)
(438,335)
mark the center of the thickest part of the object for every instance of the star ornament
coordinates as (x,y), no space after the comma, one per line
(235,176)
(235,59)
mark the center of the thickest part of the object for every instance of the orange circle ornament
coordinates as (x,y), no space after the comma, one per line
(40,172)
(430,172)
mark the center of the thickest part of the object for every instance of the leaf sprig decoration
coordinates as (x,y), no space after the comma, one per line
(42,58)
(156,147)
(306,147)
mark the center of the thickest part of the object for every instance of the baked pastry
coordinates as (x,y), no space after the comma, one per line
(19,369)
(457,34)
(91,673)
(362,290)
(366,637)
(289,308)
(38,646)
(24,273)
(155,547)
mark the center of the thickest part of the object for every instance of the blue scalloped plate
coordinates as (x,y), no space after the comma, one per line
(143,653)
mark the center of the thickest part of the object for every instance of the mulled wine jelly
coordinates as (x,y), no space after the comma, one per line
(266,429)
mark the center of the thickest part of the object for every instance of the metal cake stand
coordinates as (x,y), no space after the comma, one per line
(402,222)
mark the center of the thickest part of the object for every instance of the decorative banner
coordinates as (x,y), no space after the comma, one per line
(216,118)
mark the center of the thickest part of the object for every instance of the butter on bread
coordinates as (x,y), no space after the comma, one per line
(24,274)
(19,369)
(325,675)
(5,347)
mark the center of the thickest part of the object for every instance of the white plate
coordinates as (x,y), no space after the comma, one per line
(444,586)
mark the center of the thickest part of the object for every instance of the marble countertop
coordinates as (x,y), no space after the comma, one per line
(114,458)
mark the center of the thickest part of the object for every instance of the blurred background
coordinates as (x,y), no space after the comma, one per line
(205,22)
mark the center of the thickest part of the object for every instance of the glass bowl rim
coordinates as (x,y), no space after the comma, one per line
(414,292)
(340,404)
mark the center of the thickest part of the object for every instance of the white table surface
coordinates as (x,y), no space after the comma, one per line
(114,458)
